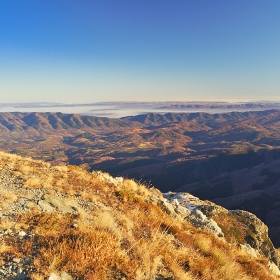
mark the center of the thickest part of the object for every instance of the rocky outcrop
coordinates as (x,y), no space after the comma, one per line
(199,220)
(257,235)
(202,214)
(100,207)
(183,206)
(50,203)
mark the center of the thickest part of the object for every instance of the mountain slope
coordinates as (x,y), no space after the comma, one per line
(65,223)
(214,156)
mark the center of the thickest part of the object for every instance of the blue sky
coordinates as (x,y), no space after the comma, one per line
(140,50)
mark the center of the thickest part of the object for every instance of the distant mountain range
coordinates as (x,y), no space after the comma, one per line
(224,105)
(155,104)
(230,158)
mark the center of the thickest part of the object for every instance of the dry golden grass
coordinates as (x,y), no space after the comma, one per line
(33,183)
(6,223)
(37,276)
(133,239)
(5,248)
(7,196)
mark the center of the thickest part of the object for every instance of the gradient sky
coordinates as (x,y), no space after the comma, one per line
(140,50)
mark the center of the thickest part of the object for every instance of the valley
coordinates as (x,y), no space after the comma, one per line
(232,158)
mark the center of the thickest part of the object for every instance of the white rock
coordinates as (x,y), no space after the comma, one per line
(22,233)
(46,206)
(54,276)
(16,260)
(199,220)
(274,268)
(251,251)
(63,276)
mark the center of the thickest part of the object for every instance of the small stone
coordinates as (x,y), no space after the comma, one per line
(8,231)
(25,261)
(22,233)
(274,268)
(54,276)
(16,260)
(65,276)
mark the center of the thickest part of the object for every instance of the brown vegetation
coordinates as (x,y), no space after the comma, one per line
(118,232)
(232,158)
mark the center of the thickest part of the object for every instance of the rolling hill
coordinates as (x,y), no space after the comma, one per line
(230,158)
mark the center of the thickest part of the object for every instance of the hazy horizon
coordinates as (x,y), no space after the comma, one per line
(123,109)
